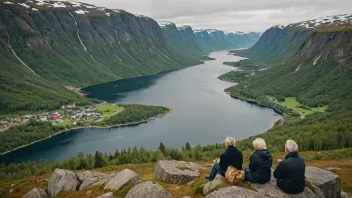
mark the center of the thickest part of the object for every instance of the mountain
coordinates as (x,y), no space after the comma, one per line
(317,73)
(49,45)
(213,40)
(182,37)
(281,41)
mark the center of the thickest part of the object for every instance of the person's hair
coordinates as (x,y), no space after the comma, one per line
(230,141)
(291,146)
(259,144)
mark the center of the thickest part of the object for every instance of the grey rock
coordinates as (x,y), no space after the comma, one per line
(212,184)
(318,191)
(36,193)
(148,189)
(234,192)
(345,195)
(88,192)
(11,190)
(12,185)
(327,181)
(187,197)
(177,172)
(332,168)
(307,193)
(106,195)
(121,178)
(269,190)
(62,181)
(92,178)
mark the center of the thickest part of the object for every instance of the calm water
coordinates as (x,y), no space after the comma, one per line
(203,114)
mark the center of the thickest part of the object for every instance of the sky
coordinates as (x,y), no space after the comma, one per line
(230,15)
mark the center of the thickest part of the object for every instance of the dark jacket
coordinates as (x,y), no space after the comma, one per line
(290,174)
(260,167)
(233,157)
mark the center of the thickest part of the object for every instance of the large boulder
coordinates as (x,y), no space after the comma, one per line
(177,172)
(36,193)
(307,193)
(121,178)
(269,190)
(62,181)
(148,189)
(92,178)
(234,192)
(106,195)
(327,181)
(211,185)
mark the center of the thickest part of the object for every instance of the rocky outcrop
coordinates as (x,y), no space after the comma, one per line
(213,184)
(92,178)
(327,181)
(124,177)
(62,181)
(106,195)
(36,193)
(177,172)
(149,190)
(234,191)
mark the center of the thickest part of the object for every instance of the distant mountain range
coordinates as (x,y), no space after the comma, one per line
(46,45)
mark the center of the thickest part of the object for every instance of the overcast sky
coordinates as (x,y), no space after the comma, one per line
(242,15)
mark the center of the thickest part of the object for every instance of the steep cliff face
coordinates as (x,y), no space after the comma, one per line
(280,42)
(216,40)
(182,38)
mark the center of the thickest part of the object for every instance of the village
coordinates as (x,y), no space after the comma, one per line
(66,116)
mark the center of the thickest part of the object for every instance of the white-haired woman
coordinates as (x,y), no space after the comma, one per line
(232,156)
(259,170)
(290,171)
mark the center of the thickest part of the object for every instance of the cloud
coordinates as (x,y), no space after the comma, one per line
(250,15)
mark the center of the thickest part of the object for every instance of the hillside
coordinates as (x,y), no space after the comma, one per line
(146,172)
(318,74)
(281,41)
(71,44)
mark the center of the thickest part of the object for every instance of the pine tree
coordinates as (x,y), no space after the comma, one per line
(162,148)
(188,146)
(99,160)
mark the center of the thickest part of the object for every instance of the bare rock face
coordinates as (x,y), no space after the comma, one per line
(233,192)
(121,178)
(149,190)
(213,184)
(62,181)
(307,193)
(177,172)
(269,190)
(36,193)
(92,178)
(327,181)
(106,195)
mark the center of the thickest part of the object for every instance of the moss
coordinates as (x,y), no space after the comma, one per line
(310,186)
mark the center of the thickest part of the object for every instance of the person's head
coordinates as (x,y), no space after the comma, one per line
(291,146)
(259,144)
(230,141)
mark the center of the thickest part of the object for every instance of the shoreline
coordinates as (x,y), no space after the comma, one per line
(87,127)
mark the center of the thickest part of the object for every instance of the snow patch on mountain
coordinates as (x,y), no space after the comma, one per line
(165,23)
(24,5)
(81,11)
(59,5)
(7,2)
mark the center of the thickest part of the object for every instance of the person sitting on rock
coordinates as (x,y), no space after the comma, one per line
(290,171)
(232,156)
(259,170)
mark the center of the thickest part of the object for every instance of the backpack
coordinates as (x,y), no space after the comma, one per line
(234,176)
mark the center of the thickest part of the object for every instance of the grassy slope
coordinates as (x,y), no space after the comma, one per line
(338,158)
